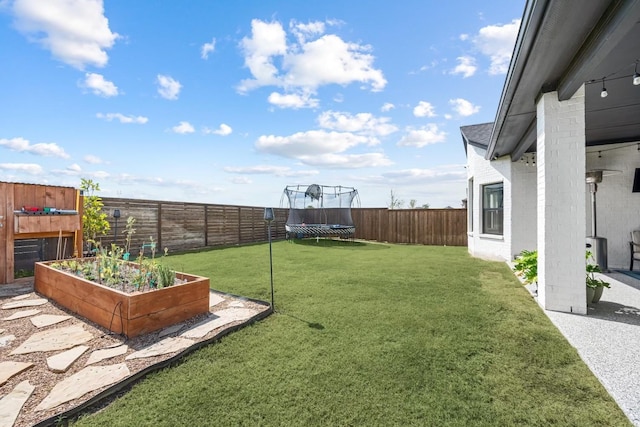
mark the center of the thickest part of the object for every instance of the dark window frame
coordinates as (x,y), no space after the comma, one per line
(493,215)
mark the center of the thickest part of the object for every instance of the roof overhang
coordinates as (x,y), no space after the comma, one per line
(561,45)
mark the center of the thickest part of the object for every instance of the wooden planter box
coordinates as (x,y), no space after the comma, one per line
(130,314)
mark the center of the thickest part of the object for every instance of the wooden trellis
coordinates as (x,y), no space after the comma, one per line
(30,211)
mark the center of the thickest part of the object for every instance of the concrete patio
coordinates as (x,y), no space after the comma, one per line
(608,340)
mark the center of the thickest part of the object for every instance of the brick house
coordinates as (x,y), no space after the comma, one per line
(570,105)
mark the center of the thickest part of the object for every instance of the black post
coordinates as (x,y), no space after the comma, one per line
(268,217)
(116,215)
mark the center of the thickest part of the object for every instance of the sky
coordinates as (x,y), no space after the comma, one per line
(228,102)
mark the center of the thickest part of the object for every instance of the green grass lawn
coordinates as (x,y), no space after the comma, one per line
(369,335)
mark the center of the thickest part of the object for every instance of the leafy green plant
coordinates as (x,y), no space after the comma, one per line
(166,276)
(526,265)
(94,220)
(593,268)
(129,231)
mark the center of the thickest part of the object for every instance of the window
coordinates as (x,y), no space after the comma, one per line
(492,218)
(470,205)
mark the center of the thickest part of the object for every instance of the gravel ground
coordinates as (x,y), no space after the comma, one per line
(44,380)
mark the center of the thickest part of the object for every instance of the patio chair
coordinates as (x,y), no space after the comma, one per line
(634,247)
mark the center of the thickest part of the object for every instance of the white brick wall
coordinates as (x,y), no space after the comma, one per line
(484,172)
(524,207)
(618,208)
(561,200)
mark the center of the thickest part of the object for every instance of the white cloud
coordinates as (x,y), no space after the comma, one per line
(322,148)
(364,123)
(207,48)
(293,100)
(99,86)
(496,42)
(424,109)
(347,161)
(280,171)
(463,107)
(413,176)
(464,37)
(317,59)
(267,40)
(92,160)
(41,149)
(30,168)
(183,128)
(303,31)
(314,142)
(76,32)
(242,180)
(122,118)
(223,130)
(466,66)
(168,87)
(331,60)
(426,135)
(74,167)
(387,106)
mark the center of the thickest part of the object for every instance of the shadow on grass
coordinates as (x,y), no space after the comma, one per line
(339,244)
(312,325)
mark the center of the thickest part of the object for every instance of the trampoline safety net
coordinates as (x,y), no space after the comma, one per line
(320,211)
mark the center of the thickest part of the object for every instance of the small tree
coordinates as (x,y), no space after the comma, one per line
(394,202)
(426,206)
(412,203)
(94,220)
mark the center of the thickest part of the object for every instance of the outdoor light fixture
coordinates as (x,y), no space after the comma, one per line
(604,92)
(269,217)
(116,215)
(636,76)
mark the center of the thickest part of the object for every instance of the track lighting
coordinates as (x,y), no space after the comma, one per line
(604,92)
(636,76)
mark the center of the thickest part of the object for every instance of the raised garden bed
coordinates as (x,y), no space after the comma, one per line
(131,314)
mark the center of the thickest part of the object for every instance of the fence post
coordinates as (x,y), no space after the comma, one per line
(159,225)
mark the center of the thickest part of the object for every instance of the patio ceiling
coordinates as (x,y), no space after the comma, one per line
(561,45)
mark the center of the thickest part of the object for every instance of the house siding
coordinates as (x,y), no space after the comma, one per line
(484,172)
(618,208)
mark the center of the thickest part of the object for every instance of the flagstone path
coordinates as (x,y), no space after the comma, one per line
(51,360)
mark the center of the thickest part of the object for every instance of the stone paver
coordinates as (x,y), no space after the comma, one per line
(221,318)
(24,303)
(47,320)
(4,340)
(63,361)
(167,345)
(55,339)
(215,299)
(21,314)
(107,353)
(10,368)
(89,379)
(12,403)
(70,340)
(170,330)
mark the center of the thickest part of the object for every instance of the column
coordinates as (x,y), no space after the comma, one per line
(561,203)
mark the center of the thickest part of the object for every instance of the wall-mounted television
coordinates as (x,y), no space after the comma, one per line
(636,181)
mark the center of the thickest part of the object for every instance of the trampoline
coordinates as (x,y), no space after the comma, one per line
(320,211)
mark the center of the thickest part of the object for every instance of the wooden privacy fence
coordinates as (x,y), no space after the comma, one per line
(417,226)
(184,226)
